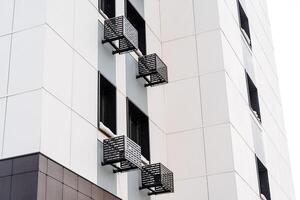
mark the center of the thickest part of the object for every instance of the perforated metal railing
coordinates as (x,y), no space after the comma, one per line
(121,150)
(152,69)
(121,34)
(157,178)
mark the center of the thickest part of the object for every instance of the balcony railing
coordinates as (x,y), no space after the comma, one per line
(157,178)
(121,34)
(122,153)
(152,69)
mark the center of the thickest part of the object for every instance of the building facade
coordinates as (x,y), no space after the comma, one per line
(190,84)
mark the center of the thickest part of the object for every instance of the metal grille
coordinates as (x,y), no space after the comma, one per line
(157,178)
(121,150)
(120,33)
(152,69)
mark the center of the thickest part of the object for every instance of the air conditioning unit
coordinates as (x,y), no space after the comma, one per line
(121,153)
(157,179)
(152,69)
(121,34)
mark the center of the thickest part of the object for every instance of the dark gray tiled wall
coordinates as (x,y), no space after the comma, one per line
(35,177)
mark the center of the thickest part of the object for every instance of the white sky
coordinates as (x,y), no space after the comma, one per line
(285,22)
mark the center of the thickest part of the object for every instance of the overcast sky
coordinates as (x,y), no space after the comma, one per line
(285,22)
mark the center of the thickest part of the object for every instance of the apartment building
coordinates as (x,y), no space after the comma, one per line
(140,100)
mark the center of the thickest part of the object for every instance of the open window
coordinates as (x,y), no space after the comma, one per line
(263,180)
(107,103)
(244,24)
(253,98)
(108,7)
(138,128)
(139,24)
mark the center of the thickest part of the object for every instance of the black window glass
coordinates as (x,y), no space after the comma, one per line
(108,7)
(263,180)
(139,24)
(253,97)
(138,128)
(107,103)
(244,24)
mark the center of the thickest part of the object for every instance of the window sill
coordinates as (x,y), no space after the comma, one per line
(103,14)
(256,119)
(145,161)
(246,39)
(106,131)
(262,197)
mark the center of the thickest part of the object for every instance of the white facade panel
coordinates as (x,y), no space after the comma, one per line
(56,129)
(28,14)
(183,97)
(186,154)
(173,52)
(27,60)
(84,89)
(5,42)
(23,124)
(6,16)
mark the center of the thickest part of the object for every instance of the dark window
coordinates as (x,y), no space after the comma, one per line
(138,128)
(108,7)
(107,103)
(263,179)
(139,23)
(244,24)
(253,97)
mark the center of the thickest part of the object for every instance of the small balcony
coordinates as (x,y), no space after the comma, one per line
(153,70)
(121,34)
(121,153)
(157,178)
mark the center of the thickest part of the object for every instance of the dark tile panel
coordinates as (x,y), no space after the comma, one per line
(5,168)
(43,163)
(36,177)
(25,164)
(41,193)
(5,184)
(83,197)
(85,187)
(54,189)
(108,196)
(24,186)
(69,193)
(70,179)
(55,170)
(97,193)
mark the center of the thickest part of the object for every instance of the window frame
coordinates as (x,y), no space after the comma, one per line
(147,133)
(112,127)
(142,35)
